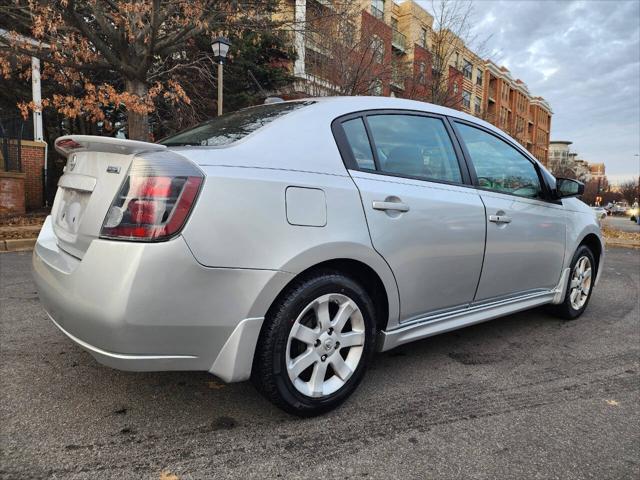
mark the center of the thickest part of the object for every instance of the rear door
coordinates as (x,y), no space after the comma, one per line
(525,232)
(427,224)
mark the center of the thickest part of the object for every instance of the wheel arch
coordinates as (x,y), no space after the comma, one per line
(362,273)
(594,243)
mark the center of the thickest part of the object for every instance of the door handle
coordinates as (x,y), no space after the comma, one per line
(499,218)
(397,206)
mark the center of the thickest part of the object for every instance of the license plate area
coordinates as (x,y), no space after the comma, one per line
(73,205)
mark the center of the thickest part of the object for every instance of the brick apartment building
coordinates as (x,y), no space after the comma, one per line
(508,104)
(405,32)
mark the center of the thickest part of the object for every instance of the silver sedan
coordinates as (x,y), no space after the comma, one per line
(286,243)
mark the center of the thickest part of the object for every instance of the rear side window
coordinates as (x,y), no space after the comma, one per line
(499,166)
(232,127)
(359,143)
(415,146)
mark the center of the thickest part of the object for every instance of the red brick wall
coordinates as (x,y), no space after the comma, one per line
(12,192)
(32,165)
(373,26)
(414,89)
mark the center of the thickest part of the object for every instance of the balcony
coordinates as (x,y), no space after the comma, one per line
(376,12)
(399,41)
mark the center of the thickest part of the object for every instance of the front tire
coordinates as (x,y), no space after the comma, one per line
(580,287)
(315,345)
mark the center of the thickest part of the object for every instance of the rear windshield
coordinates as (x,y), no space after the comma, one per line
(232,127)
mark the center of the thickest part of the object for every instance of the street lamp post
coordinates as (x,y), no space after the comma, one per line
(220,47)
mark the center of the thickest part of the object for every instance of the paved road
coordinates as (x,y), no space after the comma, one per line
(526,396)
(621,223)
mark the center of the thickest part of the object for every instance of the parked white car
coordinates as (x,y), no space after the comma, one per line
(287,242)
(600,213)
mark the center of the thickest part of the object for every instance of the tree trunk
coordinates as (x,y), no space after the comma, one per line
(138,123)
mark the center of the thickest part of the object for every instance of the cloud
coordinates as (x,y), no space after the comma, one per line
(583,57)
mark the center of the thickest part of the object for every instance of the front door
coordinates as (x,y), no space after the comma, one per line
(525,233)
(427,225)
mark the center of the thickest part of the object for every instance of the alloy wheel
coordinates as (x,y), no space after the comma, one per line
(580,285)
(325,345)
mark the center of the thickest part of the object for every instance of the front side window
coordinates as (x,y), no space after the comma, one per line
(499,166)
(414,146)
(230,128)
(359,143)
(479,77)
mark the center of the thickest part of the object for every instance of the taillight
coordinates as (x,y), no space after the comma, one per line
(155,199)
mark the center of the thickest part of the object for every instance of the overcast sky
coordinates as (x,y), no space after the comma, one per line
(583,57)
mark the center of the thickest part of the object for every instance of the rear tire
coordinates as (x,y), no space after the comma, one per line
(315,345)
(579,287)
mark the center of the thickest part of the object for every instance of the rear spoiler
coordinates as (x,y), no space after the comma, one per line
(90,143)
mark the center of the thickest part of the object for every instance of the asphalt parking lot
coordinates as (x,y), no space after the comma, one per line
(526,396)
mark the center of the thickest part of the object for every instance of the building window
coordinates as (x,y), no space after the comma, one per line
(436,66)
(467,71)
(477,107)
(423,38)
(466,99)
(377,49)
(349,33)
(377,9)
(455,88)
(376,87)
(479,78)
(422,68)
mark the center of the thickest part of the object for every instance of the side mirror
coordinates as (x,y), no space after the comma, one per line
(566,187)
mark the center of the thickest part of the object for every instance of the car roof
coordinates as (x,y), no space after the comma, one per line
(312,147)
(348,104)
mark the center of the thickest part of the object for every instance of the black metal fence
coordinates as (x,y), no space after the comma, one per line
(13,131)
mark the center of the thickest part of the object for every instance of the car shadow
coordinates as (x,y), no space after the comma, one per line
(199,402)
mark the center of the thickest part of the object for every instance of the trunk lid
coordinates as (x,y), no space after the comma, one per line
(95,170)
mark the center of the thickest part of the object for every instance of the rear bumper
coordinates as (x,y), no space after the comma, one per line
(143,307)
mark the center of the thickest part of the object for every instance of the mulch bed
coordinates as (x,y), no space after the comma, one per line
(21,226)
(36,218)
(610,233)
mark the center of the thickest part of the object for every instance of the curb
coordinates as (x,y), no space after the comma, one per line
(17,244)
